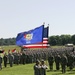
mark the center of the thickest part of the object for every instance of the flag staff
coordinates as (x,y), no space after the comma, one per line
(47,48)
(42,43)
(48,29)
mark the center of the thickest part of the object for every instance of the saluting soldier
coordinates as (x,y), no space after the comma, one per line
(37,68)
(43,68)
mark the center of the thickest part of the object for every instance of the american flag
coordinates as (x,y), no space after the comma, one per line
(43,44)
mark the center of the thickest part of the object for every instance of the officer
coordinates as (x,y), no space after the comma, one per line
(43,68)
(37,68)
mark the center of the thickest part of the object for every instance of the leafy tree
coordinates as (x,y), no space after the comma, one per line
(65,39)
(58,39)
(52,40)
(73,39)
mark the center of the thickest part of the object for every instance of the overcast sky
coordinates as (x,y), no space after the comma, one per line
(22,15)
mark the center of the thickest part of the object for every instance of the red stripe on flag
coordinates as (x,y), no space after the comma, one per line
(36,46)
(43,44)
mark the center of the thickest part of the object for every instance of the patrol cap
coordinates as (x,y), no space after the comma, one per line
(42,60)
(37,61)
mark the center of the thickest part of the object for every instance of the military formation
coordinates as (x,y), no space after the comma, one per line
(62,57)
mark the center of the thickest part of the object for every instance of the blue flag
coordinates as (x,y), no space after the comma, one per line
(30,37)
(43,44)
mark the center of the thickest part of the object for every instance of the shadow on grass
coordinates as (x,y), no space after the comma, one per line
(59,72)
(53,70)
(72,72)
(63,74)
(69,73)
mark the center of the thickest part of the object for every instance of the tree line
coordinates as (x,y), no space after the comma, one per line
(61,40)
(8,41)
(52,40)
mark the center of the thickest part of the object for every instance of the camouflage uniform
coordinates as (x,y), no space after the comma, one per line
(57,61)
(11,60)
(43,68)
(37,68)
(64,63)
(51,61)
(5,60)
(70,62)
(0,62)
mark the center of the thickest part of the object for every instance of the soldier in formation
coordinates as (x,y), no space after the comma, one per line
(5,58)
(11,58)
(51,61)
(57,61)
(64,62)
(0,62)
(50,54)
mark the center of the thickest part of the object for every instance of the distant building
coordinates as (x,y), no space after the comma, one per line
(69,45)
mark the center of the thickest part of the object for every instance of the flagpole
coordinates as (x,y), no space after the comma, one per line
(48,27)
(42,43)
(42,40)
(47,48)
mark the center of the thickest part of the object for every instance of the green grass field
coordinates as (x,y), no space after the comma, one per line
(6,48)
(27,69)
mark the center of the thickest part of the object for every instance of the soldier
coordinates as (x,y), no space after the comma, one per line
(57,61)
(5,60)
(70,61)
(31,58)
(17,58)
(20,59)
(11,58)
(0,62)
(43,68)
(27,57)
(51,61)
(37,68)
(23,58)
(34,57)
(63,63)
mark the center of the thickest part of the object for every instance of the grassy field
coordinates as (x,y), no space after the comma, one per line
(6,48)
(27,69)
